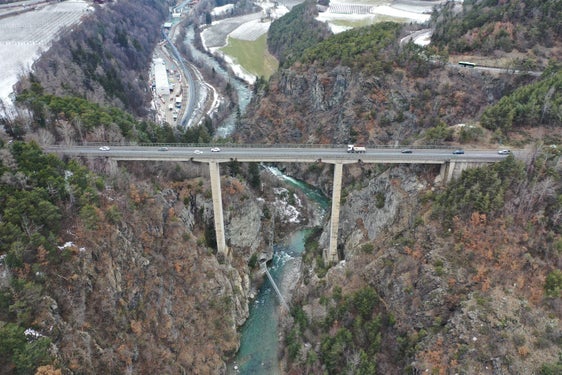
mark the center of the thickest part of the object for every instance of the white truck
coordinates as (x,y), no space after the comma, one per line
(356,149)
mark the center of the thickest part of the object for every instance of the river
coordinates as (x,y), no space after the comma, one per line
(258,353)
(242,89)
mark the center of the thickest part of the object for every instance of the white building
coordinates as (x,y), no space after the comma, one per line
(161,78)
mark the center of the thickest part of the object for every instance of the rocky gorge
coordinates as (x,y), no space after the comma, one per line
(431,278)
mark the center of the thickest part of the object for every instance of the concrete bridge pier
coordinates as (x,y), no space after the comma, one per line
(447,171)
(331,254)
(443,172)
(217,208)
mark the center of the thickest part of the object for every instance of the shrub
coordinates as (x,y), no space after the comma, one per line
(368,248)
(553,284)
(253,261)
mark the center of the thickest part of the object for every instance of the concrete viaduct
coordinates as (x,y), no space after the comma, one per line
(451,166)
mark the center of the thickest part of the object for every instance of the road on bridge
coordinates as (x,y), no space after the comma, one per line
(296,153)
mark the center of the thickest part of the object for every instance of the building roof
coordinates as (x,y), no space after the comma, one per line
(161,77)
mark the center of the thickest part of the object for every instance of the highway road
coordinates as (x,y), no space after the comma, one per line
(496,69)
(292,153)
(188,113)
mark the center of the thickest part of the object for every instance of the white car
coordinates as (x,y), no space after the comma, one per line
(104,148)
(215,149)
(197,152)
(504,152)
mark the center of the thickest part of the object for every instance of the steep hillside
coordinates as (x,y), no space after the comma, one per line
(377,93)
(531,29)
(290,35)
(51,119)
(536,105)
(364,86)
(106,59)
(460,280)
(112,268)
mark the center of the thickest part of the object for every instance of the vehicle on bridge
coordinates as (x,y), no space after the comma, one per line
(458,152)
(356,149)
(406,151)
(504,152)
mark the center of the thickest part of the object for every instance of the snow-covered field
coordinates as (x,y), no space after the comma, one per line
(250,30)
(24,36)
(371,11)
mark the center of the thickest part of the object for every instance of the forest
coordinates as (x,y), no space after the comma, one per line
(537,104)
(488,25)
(36,191)
(71,119)
(358,48)
(293,33)
(107,57)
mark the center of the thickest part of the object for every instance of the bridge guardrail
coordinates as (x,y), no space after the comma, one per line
(245,145)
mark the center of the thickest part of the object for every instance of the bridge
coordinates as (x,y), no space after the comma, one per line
(451,166)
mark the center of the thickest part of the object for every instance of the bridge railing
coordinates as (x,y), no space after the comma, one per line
(246,145)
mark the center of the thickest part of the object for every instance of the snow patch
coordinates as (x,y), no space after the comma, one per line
(222,10)
(289,212)
(66,245)
(237,69)
(30,333)
(71,244)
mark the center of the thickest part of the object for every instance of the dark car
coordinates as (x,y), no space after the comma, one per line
(406,151)
(458,152)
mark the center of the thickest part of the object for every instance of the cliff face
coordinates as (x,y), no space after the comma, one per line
(337,105)
(465,299)
(381,208)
